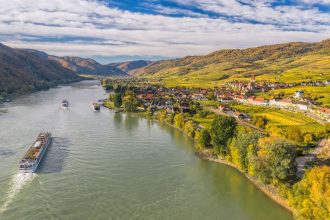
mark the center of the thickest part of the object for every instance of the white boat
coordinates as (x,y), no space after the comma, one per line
(34,155)
(64,104)
(96,106)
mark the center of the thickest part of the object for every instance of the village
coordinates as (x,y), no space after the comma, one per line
(154,96)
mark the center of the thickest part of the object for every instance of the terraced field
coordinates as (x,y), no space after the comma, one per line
(286,119)
(292,62)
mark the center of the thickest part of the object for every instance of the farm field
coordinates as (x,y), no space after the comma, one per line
(320,93)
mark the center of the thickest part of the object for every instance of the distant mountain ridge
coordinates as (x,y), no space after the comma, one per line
(131,66)
(282,62)
(24,70)
(87,66)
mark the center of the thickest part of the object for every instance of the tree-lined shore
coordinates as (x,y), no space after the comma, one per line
(267,159)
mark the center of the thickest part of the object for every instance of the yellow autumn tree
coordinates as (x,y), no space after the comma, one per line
(311,196)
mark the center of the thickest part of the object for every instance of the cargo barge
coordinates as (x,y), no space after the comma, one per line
(33,156)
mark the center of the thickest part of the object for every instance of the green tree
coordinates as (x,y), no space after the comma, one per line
(222,129)
(240,145)
(130,103)
(276,159)
(205,140)
(170,118)
(294,134)
(117,100)
(211,96)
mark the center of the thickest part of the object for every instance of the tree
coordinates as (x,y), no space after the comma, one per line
(178,121)
(117,100)
(161,116)
(170,119)
(251,157)
(189,128)
(274,130)
(130,103)
(294,134)
(260,121)
(276,160)
(222,129)
(205,140)
(308,138)
(311,196)
(211,96)
(240,145)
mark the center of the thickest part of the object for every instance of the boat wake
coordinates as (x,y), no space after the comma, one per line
(17,183)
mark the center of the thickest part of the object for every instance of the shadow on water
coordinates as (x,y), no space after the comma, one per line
(55,156)
(118,118)
(131,122)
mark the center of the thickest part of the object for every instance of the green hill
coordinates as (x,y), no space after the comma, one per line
(290,62)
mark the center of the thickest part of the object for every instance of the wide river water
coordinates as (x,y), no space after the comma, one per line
(103,165)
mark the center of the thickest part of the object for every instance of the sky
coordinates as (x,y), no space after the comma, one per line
(118,30)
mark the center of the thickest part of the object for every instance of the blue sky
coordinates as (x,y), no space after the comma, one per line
(117,30)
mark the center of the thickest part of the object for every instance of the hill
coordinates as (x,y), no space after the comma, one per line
(130,67)
(24,70)
(290,62)
(88,66)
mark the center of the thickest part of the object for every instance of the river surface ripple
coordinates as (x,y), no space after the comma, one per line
(103,165)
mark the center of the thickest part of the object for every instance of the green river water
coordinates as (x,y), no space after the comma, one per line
(103,165)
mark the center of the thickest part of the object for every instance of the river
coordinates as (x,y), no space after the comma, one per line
(103,165)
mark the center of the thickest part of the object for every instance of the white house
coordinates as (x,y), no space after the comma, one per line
(299,94)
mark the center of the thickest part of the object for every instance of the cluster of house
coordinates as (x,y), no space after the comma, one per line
(298,102)
(252,85)
(171,99)
(178,99)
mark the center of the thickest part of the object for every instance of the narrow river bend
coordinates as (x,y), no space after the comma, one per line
(114,166)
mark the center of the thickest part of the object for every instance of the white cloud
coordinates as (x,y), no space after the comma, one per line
(312,2)
(95,29)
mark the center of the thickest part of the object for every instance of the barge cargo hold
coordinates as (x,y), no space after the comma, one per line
(34,155)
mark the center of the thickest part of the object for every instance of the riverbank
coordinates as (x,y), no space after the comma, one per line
(16,94)
(270,191)
(206,154)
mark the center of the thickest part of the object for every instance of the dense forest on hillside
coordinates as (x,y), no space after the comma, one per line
(28,70)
